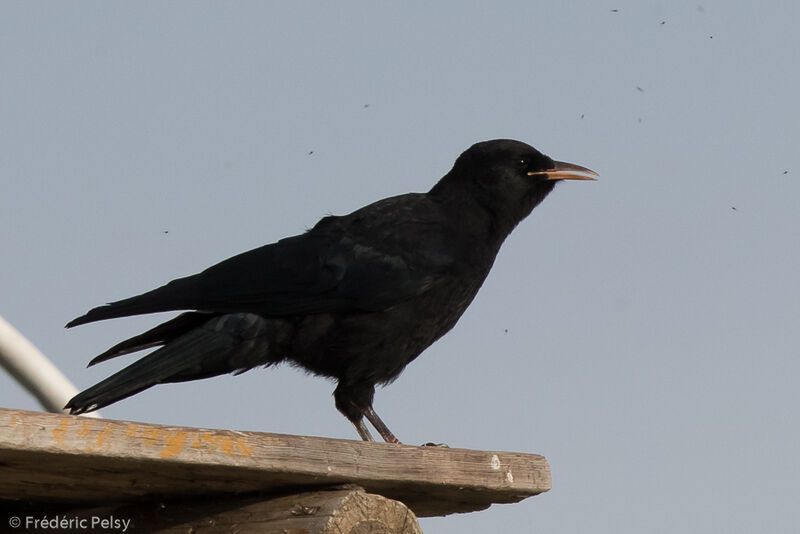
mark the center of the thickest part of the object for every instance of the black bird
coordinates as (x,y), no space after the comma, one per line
(356,298)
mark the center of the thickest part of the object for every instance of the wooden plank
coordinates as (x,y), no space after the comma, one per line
(334,511)
(59,458)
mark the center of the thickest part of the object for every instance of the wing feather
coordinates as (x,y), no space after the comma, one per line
(350,263)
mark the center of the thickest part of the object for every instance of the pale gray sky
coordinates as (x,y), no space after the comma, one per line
(641,332)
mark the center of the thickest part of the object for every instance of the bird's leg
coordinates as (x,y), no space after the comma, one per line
(355,402)
(380,426)
(362,430)
(350,402)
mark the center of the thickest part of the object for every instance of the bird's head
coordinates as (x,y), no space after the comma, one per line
(508,178)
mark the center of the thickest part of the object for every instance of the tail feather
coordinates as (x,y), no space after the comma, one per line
(223,344)
(160,335)
(183,356)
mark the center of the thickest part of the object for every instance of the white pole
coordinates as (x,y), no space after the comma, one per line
(34,371)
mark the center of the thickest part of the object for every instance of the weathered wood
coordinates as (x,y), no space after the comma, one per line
(335,511)
(60,458)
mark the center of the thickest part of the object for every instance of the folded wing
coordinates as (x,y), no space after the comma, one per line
(342,264)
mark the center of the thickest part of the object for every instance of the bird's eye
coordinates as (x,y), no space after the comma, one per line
(523,162)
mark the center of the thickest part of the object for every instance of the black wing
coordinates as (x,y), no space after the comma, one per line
(369,260)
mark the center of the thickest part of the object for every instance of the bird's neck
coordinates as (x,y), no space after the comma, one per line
(486,215)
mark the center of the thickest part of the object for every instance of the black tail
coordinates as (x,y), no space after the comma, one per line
(160,335)
(180,356)
(222,344)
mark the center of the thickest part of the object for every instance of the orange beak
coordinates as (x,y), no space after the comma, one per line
(567,171)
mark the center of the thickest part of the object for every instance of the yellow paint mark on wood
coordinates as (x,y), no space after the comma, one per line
(152,436)
(175,443)
(86,428)
(222,443)
(60,432)
(225,444)
(210,441)
(103,436)
(131,431)
(244,448)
